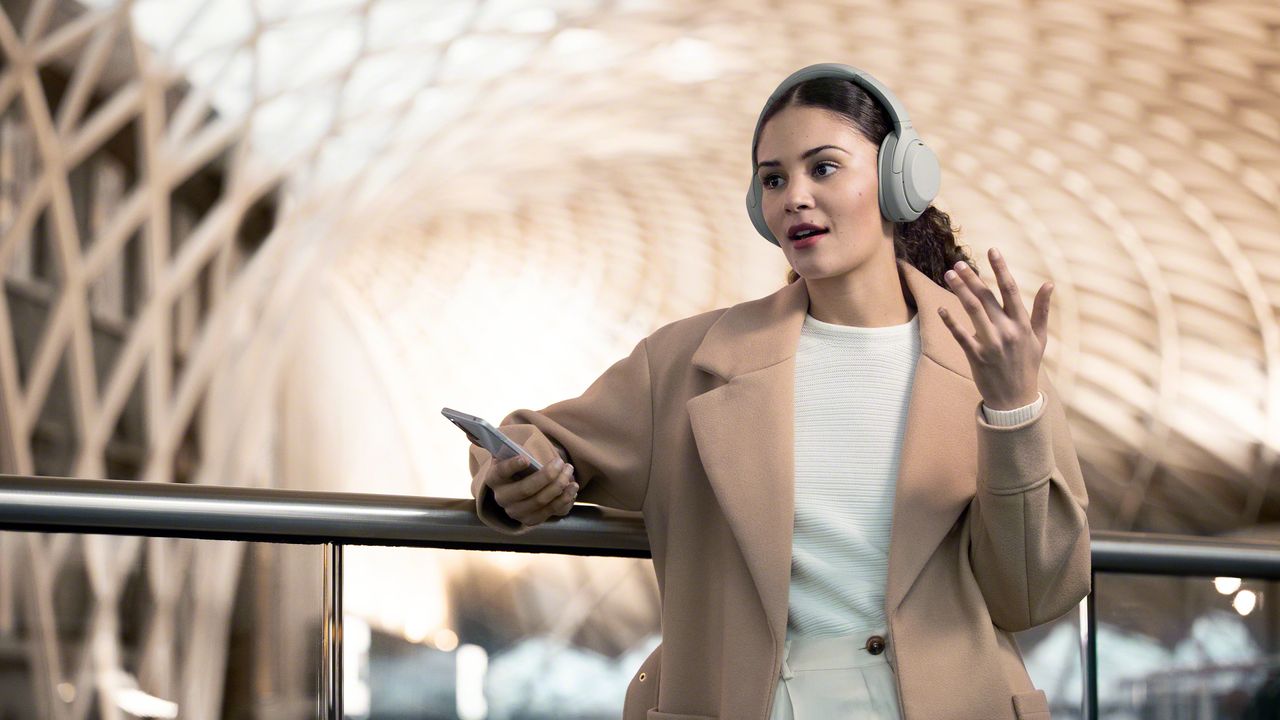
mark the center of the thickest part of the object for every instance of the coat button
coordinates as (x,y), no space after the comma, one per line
(875,644)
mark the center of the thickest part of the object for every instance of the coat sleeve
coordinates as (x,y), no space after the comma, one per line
(606,433)
(1028,534)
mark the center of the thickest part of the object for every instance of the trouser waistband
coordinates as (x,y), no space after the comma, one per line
(834,652)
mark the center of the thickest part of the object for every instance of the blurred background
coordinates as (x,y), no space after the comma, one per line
(261,242)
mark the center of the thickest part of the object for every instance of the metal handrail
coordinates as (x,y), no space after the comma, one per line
(215,512)
(117,507)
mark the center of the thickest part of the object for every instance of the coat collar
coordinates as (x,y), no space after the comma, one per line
(744,429)
(758,333)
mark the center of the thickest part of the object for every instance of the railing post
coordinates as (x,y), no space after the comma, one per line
(330,700)
(1089,650)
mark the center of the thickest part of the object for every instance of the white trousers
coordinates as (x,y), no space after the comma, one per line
(835,678)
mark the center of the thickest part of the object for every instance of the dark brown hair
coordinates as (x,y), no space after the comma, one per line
(929,241)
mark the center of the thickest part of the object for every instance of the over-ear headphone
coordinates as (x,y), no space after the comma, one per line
(908,169)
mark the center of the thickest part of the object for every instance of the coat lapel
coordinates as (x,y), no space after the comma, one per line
(744,429)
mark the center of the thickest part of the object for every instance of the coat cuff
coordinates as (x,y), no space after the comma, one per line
(1014,458)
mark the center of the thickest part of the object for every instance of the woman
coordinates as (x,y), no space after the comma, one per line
(856,488)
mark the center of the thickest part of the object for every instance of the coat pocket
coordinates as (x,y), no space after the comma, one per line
(1033,705)
(655,715)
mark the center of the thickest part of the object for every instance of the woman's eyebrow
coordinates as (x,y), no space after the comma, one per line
(806,154)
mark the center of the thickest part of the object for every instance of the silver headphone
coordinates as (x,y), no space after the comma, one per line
(908,169)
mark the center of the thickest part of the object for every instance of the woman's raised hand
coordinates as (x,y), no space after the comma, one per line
(1008,343)
(532,499)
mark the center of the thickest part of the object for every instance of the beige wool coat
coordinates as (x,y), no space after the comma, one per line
(695,429)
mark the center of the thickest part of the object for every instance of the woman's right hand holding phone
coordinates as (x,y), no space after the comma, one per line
(535,498)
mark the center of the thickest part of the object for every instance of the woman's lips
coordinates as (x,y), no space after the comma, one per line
(808,241)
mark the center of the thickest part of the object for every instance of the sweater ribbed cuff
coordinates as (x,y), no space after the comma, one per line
(1005,418)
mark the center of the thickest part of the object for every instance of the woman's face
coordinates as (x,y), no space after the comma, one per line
(834,188)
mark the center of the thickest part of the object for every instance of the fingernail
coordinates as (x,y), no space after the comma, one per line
(995,253)
(951,275)
(574,488)
(568,471)
(557,463)
(959,266)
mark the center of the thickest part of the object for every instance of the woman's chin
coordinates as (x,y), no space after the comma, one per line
(813,271)
(808,265)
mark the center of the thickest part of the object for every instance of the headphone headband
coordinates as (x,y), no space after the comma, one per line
(878,90)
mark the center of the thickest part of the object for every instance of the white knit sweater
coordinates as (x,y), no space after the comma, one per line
(852,386)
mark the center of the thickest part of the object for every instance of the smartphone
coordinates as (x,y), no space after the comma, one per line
(492,439)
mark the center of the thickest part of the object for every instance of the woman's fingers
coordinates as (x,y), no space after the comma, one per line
(560,505)
(1040,314)
(977,300)
(564,504)
(962,336)
(508,489)
(1013,307)
(503,473)
(529,499)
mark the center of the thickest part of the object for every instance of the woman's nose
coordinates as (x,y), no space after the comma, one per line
(798,197)
(799,203)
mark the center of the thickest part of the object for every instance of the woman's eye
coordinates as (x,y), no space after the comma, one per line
(767,178)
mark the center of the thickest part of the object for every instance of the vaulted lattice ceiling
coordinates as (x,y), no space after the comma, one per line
(1129,152)
(578,167)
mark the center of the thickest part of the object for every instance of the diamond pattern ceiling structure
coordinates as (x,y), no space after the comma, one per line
(1129,152)
(577,168)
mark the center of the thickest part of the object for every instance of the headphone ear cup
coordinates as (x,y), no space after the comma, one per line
(907,188)
(922,176)
(756,213)
(888,181)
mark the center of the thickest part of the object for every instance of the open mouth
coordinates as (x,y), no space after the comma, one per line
(806,238)
(807,233)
